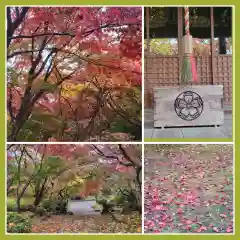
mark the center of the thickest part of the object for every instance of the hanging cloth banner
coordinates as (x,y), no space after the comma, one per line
(189,70)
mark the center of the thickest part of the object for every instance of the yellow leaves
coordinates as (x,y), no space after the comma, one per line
(79,180)
(71,90)
(76,182)
(67,89)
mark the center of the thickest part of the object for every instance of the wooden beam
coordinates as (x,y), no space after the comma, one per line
(213,50)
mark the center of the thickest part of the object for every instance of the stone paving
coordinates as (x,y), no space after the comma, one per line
(82,208)
(224,131)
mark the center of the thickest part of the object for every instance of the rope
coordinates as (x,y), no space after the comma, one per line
(189,70)
(186,18)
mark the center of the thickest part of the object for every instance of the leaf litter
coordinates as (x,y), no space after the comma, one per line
(86,224)
(188,189)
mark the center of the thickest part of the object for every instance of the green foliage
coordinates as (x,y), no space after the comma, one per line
(48,204)
(40,211)
(53,206)
(38,171)
(39,127)
(32,131)
(113,201)
(17,223)
(121,125)
(163,46)
(70,189)
(12,172)
(11,204)
(97,207)
(51,166)
(130,122)
(26,204)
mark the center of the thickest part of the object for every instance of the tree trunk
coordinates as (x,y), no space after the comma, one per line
(40,193)
(18,203)
(19,196)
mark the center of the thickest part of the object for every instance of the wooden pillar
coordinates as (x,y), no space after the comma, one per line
(180,36)
(147,28)
(213,52)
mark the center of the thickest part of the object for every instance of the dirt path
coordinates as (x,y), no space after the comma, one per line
(188,188)
(85,224)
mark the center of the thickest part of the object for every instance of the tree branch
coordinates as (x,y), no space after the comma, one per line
(12,26)
(101,153)
(84,34)
(42,35)
(126,155)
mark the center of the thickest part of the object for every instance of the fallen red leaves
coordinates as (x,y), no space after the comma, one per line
(189,189)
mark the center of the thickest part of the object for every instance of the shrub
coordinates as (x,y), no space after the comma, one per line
(55,206)
(17,223)
(97,207)
(11,205)
(26,204)
(48,205)
(40,211)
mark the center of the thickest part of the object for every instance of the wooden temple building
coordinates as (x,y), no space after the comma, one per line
(214,67)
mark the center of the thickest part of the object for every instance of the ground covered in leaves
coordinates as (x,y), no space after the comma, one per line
(87,224)
(188,189)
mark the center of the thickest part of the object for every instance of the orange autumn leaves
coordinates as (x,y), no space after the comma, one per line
(91,186)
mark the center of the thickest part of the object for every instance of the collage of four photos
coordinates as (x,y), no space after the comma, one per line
(119,120)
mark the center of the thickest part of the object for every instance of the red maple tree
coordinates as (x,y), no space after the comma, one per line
(71,64)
